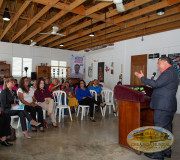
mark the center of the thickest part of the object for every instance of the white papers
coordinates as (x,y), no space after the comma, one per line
(18,107)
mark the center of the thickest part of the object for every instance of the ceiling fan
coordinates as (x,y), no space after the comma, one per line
(54,32)
(118,3)
(32,43)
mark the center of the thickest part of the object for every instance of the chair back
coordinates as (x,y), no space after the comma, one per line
(93,93)
(107,96)
(58,96)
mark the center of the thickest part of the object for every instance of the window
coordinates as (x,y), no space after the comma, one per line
(60,70)
(27,62)
(18,66)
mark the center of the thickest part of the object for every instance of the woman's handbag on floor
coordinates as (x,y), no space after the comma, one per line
(12,137)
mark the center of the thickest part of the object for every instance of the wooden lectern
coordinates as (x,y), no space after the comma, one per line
(134,110)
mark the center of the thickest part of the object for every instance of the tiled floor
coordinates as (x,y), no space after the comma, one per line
(78,140)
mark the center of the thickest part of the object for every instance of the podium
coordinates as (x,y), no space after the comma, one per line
(134,110)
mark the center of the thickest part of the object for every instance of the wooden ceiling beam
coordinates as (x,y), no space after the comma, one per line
(54,18)
(146,10)
(125,18)
(33,20)
(24,17)
(150,24)
(67,23)
(102,16)
(71,21)
(59,5)
(98,7)
(148,31)
(74,29)
(16,17)
(128,24)
(1,2)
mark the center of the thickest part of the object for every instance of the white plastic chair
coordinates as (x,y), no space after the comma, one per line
(58,95)
(84,108)
(94,93)
(44,114)
(107,97)
(12,121)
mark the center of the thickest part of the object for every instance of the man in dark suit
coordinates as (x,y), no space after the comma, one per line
(163,99)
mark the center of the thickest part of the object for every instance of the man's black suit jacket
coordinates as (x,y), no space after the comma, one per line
(164,90)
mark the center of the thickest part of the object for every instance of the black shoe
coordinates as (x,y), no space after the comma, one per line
(93,120)
(167,155)
(154,156)
(5,143)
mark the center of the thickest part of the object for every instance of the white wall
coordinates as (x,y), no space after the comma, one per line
(38,54)
(163,43)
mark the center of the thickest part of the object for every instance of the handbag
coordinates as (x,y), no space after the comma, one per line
(12,137)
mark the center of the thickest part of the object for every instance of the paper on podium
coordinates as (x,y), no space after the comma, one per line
(18,107)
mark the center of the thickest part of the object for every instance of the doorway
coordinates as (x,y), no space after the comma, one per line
(138,63)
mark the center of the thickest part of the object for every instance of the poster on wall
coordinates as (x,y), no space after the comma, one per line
(176,63)
(77,67)
(101,71)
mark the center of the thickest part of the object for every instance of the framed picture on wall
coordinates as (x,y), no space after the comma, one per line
(176,63)
(101,71)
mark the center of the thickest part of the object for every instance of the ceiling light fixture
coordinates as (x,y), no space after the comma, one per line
(61,45)
(160,12)
(99,46)
(92,33)
(6,15)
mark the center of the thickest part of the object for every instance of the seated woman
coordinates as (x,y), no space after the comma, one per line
(96,87)
(72,101)
(55,86)
(71,85)
(44,99)
(4,128)
(14,88)
(26,96)
(8,100)
(85,98)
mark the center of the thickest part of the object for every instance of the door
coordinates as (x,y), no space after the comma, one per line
(138,63)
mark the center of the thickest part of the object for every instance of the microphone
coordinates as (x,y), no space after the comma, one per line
(153,75)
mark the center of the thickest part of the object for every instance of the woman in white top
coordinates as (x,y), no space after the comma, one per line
(26,96)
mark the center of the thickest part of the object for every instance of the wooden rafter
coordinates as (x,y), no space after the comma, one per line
(148,31)
(35,18)
(73,20)
(151,8)
(54,18)
(59,5)
(101,17)
(29,17)
(1,2)
(131,23)
(16,17)
(149,24)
